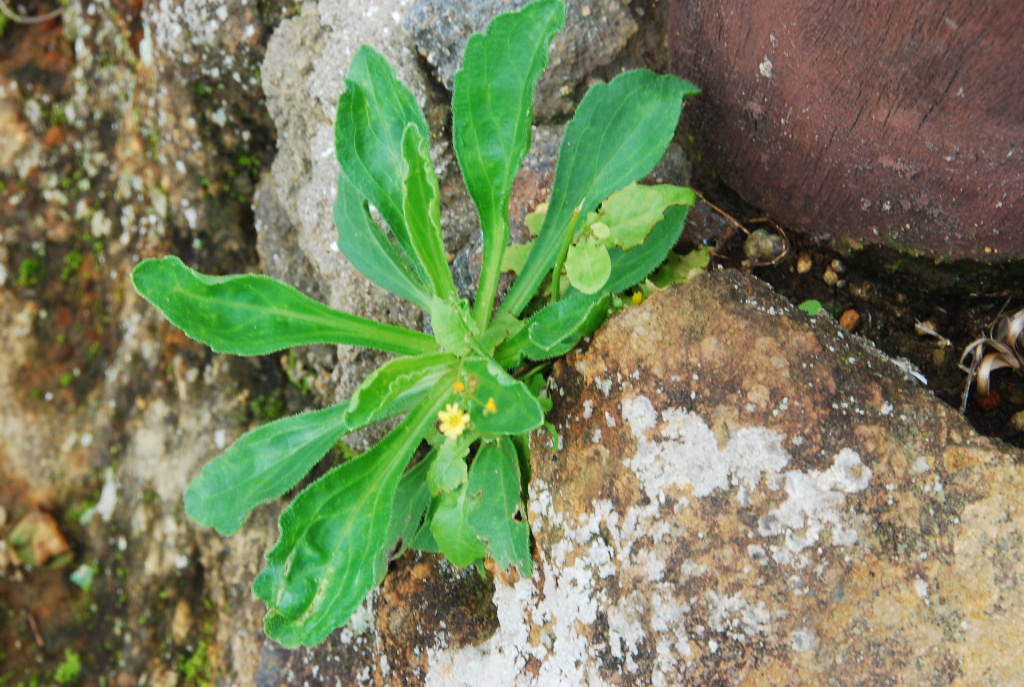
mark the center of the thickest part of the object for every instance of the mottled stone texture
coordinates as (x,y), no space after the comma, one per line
(741,496)
(889,122)
(597,31)
(746,497)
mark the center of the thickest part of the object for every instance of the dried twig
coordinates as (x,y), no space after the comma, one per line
(21,19)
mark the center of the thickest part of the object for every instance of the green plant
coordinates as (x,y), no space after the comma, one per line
(30,272)
(464,497)
(72,263)
(68,670)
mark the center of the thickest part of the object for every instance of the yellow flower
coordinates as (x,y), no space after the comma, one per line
(459,386)
(638,297)
(490,406)
(454,421)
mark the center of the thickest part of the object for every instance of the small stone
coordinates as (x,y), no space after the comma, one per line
(831,277)
(849,320)
(181,623)
(989,402)
(763,246)
(838,266)
(37,540)
(1017,421)
(804,262)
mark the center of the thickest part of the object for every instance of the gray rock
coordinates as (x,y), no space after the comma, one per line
(596,32)
(303,76)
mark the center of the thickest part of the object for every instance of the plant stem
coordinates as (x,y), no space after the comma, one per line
(556,273)
(490,272)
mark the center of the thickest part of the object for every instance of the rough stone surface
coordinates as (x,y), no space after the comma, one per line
(743,496)
(303,75)
(596,32)
(892,123)
(129,130)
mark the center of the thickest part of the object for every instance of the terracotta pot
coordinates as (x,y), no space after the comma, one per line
(895,122)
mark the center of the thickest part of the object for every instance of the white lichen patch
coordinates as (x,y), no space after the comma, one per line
(606,593)
(736,618)
(108,497)
(683,452)
(593,573)
(815,503)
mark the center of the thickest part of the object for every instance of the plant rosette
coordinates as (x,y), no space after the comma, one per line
(452,476)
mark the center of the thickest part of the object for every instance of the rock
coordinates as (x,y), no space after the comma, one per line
(596,32)
(745,496)
(36,539)
(303,75)
(890,124)
(181,621)
(134,130)
(741,495)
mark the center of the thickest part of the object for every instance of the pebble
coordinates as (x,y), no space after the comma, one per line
(181,623)
(804,262)
(849,320)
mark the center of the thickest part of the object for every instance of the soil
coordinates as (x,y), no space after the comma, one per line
(885,295)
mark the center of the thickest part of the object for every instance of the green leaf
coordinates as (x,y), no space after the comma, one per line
(411,502)
(515,257)
(251,314)
(588,266)
(535,220)
(492,115)
(331,551)
(453,325)
(452,529)
(555,329)
(394,383)
(633,266)
(448,470)
(372,115)
(261,465)
(500,521)
(811,307)
(679,269)
(501,328)
(620,131)
(370,250)
(632,212)
(521,442)
(516,408)
(423,212)
(424,540)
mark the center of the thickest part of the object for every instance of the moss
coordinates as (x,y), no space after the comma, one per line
(267,408)
(72,263)
(30,272)
(69,669)
(195,670)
